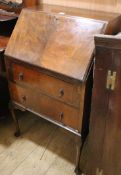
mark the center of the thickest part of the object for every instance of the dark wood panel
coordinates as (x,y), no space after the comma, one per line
(105,126)
(112,141)
(100,102)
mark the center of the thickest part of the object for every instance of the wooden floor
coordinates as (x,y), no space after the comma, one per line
(42,149)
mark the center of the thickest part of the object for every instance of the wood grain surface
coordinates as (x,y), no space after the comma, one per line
(105,123)
(58,43)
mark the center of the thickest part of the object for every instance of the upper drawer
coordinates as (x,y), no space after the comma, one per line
(49,85)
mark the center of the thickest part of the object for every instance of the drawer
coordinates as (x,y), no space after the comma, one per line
(46,105)
(49,85)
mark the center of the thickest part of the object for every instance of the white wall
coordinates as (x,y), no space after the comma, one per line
(103,5)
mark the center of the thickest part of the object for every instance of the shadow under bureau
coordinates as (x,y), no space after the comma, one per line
(7,23)
(49,62)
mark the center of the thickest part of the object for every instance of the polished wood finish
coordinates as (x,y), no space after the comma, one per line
(45,105)
(105,129)
(50,69)
(66,40)
(58,89)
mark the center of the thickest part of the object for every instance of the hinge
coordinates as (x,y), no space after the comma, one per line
(111,80)
(99,172)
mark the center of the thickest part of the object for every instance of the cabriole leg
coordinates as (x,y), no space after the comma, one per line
(12,110)
(78,155)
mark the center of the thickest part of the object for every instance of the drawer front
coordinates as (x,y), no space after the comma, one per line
(46,105)
(49,85)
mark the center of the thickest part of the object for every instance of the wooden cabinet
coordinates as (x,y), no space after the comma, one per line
(49,69)
(105,128)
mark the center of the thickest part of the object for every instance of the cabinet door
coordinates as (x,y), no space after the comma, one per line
(104,141)
(112,141)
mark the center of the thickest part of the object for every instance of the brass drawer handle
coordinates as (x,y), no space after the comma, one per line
(61,115)
(61,92)
(21,76)
(24,98)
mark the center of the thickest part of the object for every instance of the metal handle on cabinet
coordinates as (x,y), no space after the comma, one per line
(61,92)
(21,76)
(61,115)
(99,172)
(24,98)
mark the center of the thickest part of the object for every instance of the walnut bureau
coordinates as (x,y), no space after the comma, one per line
(49,62)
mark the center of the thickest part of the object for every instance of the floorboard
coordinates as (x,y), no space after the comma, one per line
(42,149)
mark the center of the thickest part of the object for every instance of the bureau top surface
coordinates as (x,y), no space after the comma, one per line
(58,43)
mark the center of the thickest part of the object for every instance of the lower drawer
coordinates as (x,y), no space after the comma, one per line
(45,105)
